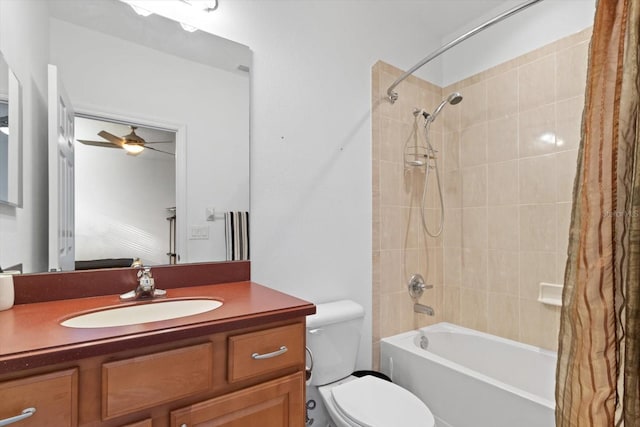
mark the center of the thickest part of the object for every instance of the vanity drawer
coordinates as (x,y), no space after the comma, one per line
(276,403)
(130,385)
(260,352)
(54,397)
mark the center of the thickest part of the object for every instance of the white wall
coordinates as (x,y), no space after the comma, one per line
(530,29)
(311,138)
(121,200)
(311,130)
(108,74)
(24,43)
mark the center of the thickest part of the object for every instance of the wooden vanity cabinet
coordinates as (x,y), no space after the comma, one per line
(53,395)
(245,377)
(275,403)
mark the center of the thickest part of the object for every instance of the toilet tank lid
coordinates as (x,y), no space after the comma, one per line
(334,312)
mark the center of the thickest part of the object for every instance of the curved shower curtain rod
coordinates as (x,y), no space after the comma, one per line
(393,96)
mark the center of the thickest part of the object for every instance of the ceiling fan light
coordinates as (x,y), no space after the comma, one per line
(133,148)
(140,11)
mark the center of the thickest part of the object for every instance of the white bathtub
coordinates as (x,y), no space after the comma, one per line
(472,379)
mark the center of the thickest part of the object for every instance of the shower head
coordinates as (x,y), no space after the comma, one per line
(452,99)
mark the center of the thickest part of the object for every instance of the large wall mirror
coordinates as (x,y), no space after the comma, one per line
(120,70)
(10,136)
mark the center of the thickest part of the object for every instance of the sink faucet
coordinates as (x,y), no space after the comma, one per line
(146,288)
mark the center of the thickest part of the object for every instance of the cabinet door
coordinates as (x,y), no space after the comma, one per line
(277,403)
(54,397)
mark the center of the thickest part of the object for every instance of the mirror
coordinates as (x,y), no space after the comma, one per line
(148,71)
(10,136)
(124,202)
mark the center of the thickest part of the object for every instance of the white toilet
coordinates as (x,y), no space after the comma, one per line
(333,336)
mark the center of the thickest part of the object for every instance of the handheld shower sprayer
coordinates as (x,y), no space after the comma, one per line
(452,99)
(428,158)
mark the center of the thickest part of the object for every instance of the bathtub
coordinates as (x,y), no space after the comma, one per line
(473,379)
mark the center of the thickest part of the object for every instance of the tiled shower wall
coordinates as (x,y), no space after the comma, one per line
(507,158)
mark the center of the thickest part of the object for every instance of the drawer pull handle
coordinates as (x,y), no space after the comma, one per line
(259,356)
(26,413)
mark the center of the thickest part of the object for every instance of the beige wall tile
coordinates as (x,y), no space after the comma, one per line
(571,71)
(502,95)
(451,305)
(538,179)
(473,309)
(568,121)
(452,266)
(503,315)
(535,267)
(566,166)
(474,186)
(502,183)
(474,268)
(391,228)
(503,272)
(452,234)
(539,324)
(396,312)
(474,227)
(538,227)
(564,223)
(390,271)
(473,108)
(452,188)
(451,151)
(392,189)
(502,139)
(473,145)
(503,227)
(394,135)
(512,140)
(537,132)
(536,83)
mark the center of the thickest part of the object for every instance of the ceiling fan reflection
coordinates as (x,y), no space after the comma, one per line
(131,143)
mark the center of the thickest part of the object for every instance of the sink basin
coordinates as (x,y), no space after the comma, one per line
(142,313)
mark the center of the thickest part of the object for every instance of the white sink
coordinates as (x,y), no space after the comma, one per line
(142,313)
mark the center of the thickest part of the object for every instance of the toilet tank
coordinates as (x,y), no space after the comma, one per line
(333,336)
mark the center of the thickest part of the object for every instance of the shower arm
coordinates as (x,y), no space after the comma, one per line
(393,96)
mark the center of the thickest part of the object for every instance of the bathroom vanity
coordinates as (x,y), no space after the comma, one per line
(241,364)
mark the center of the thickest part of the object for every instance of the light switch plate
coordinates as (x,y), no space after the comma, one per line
(199,232)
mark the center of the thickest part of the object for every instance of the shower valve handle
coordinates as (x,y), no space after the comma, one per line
(417,286)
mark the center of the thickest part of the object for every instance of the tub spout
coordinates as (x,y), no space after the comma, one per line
(424,309)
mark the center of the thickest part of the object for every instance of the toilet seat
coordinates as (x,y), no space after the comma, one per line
(373,402)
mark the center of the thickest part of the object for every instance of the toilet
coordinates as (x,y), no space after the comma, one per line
(333,336)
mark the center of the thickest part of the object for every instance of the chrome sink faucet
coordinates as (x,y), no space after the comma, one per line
(146,288)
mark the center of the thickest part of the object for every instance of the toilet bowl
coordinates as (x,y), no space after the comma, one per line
(333,335)
(372,402)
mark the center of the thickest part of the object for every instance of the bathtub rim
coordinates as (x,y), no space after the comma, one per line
(402,339)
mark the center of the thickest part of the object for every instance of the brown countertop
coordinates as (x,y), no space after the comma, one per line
(31,334)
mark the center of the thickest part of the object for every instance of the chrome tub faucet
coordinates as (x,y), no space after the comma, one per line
(146,288)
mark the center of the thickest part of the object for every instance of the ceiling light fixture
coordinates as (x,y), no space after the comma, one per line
(133,148)
(204,5)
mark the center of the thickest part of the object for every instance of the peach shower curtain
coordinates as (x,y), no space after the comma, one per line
(599,343)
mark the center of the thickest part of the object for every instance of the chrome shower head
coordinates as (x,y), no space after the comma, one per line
(452,99)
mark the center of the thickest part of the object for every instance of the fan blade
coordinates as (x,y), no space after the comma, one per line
(98,143)
(158,142)
(155,149)
(111,138)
